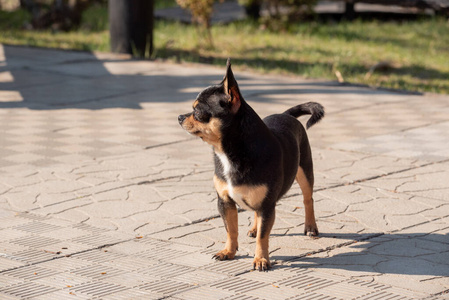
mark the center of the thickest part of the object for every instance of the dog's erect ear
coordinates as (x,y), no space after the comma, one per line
(231,88)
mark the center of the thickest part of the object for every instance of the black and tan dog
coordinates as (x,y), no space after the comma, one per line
(256,161)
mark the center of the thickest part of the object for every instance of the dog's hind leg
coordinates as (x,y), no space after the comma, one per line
(306,184)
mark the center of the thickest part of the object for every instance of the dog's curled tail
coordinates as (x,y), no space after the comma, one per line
(309,108)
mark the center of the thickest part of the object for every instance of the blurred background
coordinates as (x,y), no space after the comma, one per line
(397,44)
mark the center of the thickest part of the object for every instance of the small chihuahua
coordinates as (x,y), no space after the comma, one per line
(256,161)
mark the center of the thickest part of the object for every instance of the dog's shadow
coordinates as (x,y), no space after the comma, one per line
(424,254)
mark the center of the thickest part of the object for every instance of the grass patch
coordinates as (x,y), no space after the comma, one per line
(417,51)
(13,20)
(158,4)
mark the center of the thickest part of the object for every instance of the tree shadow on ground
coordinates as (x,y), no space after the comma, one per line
(420,72)
(299,67)
(45,79)
(406,254)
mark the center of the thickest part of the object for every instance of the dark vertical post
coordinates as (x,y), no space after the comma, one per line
(252,9)
(150,27)
(349,10)
(131,26)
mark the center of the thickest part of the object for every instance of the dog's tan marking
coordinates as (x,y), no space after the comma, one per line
(209,132)
(226,86)
(221,187)
(195,103)
(232,231)
(251,195)
(304,183)
(253,231)
(246,196)
(261,258)
(307,191)
(235,99)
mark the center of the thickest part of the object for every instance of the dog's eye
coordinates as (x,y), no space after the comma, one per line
(201,116)
(196,115)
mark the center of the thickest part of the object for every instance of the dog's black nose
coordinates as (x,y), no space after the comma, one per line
(181,119)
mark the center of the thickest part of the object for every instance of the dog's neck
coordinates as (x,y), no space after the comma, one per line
(240,138)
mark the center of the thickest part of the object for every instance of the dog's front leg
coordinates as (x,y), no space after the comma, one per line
(265,221)
(228,212)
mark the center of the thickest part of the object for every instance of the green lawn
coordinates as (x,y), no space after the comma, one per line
(417,51)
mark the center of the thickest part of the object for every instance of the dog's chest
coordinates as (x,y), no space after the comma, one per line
(232,190)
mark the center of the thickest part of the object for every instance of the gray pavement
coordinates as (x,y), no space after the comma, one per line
(104,196)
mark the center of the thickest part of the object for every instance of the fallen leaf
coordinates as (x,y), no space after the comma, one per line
(275,286)
(139,237)
(69,286)
(339,76)
(103,273)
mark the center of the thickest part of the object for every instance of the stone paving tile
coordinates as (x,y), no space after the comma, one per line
(196,211)
(429,181)
(94,266)
(204,293)
(71,123)
(429,143)
(344,213)
(72,139)
(398,114)
(389,259)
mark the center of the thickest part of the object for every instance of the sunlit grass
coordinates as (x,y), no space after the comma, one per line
(82,40)
(417,52)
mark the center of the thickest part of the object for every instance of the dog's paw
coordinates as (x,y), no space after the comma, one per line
(261,264)
(311,230)
(224,254)
(252,233)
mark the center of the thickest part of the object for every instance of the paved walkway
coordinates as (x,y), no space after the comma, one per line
(104,196)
